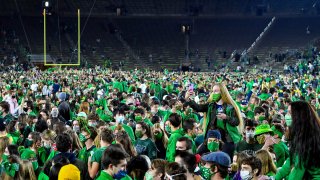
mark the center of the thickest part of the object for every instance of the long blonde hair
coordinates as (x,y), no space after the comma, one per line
(226,98)
(267,162)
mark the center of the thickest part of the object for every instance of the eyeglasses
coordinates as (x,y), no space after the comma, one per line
(170,177)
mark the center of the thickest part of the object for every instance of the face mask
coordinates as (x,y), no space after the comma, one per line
(245,109)
(234,167)
(213,146)
(99,97)
(76,129)
(28,143)
(148,176)
(138,118)
(261,118)
(245,175)
(55,113)
(288,119)
(216,97)
(261,139)
(249,135)
(139,134)
(92,124)
(47,145)
(168,129)
(159,135)
(120,174)
(82,138)
(154,112)
(205,172)
(120,119)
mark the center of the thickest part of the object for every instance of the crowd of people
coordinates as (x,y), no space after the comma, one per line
(103,124)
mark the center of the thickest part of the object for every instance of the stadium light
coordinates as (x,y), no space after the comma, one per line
(46,4)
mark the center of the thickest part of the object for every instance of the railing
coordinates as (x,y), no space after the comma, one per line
(261,35)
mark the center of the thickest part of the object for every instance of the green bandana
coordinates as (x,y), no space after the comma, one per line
(213,146)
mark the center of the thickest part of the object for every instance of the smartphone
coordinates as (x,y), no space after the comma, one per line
(191,88)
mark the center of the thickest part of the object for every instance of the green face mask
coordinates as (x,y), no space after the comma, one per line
(138,118)
(288,120)
(28,143)
(148,176)
(159,135)
(216,97)
(139,134)
(168,129)
(82,138)
(245,109)
(261,118)
(261,139)
(213,146)
(205,172)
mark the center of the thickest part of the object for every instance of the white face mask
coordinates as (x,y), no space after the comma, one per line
(249,135)
(245,175)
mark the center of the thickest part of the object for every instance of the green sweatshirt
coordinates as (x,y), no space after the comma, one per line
(171,148)
(295,172)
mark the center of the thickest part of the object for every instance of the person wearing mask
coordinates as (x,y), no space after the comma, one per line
(184,144)
(190,128)
(176,133)
(64,107)
(160,139)
(222,114)
(157,170)
(87,136)
(268,167)
(76,126)
(260,115)
(213,143)
(139,116)
(137,167)
(32,144)
(175,171)
(264,135)
(249,144)
(94,162)
(92,120)
(144,144)
(64,148)
(5,112)
(216,166)
(122,138)
(114,164)
(250,168)
(119,116)
(188,161)
(303,162)
(48,145)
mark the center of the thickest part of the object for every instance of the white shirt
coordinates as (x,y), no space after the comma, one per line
(143,88)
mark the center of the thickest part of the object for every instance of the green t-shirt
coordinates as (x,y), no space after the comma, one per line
(146,147)
(104,176)
(85,153)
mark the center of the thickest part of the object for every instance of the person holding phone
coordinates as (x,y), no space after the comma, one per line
(222,114)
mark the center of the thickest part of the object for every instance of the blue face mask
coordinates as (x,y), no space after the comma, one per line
(120,119)
(120,174)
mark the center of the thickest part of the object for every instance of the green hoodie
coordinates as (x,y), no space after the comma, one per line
(171,148)
(296,172)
